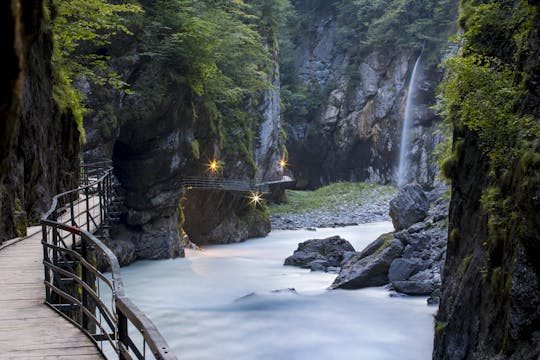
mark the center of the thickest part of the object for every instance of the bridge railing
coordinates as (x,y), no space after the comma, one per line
(73,283)
(199,182)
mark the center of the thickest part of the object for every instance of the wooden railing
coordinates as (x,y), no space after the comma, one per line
(74,286)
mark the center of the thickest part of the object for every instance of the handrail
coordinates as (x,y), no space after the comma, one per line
(199,182)
(71,273)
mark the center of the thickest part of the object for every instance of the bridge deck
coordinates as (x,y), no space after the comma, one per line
(28,328)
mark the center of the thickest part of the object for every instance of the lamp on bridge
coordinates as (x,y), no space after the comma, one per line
(213,166)
(255,198)
(282,163)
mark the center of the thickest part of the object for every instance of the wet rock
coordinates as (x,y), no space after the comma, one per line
(318,265)
(372,270)
(347,255)
(415,287)
(319,254)
(409,206)
(401,269)
(415,270)
(287,290)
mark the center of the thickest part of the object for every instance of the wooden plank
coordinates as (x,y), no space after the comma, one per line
(28,328)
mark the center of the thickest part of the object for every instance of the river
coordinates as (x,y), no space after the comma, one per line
(221,303)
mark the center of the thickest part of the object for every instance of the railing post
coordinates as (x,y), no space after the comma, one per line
(123,335)
(87,202)
(48,260)
(102,209)
(73,222)
(84,275)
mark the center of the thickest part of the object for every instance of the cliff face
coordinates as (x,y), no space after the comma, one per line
(354,134)
(162,133)
(39,145)
(220,217)
(491,284)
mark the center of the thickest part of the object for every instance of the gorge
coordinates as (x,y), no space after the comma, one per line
(323,92)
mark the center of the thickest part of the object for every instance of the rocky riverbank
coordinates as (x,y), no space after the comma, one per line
(342,204)
(410,259)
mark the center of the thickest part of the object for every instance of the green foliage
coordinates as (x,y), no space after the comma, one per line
(333,196)
(440,326)
(67,98)
(217,50)
(195,149)
(387,241)
(382,25)
(76,23)
(464,266)
(21,222)
(484,94)
(88,22)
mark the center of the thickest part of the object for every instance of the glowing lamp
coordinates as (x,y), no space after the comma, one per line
(213,166)
(255,198)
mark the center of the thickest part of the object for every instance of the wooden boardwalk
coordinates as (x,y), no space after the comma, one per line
(28,328)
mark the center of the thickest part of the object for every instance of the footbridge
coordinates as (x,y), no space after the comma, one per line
(241,185)
(62,259)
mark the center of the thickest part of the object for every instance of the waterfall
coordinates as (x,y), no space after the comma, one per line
(403,169)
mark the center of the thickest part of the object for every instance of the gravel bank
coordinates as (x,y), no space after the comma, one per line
(366,207)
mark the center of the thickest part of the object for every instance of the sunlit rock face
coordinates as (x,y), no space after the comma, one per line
(355,135)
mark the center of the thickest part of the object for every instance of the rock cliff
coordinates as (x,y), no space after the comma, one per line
(491,283)
(39,144)
(353,130)
(164,132)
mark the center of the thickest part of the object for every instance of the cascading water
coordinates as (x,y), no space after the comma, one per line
(403,169)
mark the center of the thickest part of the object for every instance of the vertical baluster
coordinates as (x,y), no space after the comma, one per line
(54,237)
(102,208)
(123,335)
(84,270)
(73,222)
(87,202)
(46,259)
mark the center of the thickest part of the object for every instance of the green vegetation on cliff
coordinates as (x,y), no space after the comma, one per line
(358,28)
(221,52)
(382,25)
(490,96)
(90,24)
(485,92)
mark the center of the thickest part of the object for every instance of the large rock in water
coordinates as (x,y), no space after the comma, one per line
(319,254)
(369,270)
(410,206)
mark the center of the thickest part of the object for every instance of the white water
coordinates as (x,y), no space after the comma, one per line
(403,169)
(196,303)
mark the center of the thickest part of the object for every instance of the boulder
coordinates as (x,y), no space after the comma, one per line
(371,270)
(401,269)
(319,254)
(409,206)
(416,287)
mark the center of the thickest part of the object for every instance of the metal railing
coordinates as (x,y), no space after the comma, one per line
(73,283)
(231,184)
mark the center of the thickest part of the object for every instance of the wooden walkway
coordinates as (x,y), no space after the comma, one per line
(28,328)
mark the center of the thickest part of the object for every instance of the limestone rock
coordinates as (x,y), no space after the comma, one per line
(319,254)
(409,206)
(401,269)
(415,287)
(372,270)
